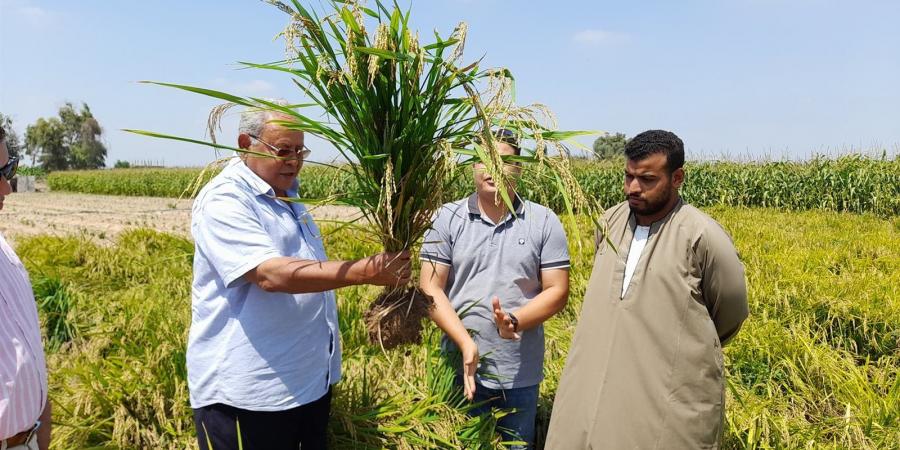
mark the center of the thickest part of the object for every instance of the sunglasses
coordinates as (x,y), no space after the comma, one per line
(9,170)
(285,153)
(503,132)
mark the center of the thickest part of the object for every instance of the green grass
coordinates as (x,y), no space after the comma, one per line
(32,171)
(816,366)
(850,183)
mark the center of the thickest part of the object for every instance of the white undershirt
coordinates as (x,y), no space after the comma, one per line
(641,234)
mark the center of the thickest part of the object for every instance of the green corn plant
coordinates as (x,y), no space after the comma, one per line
(871,185)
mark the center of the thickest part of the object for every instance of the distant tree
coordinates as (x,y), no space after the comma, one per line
(610,146)
(12,139)
(44,142)
(122,164)
(83,135)
(71,141)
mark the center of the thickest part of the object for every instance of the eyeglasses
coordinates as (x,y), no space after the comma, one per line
(9,170)
(285,153)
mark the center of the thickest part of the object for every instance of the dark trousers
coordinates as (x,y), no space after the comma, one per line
(302,427)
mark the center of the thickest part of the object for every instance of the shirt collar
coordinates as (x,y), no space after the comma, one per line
(257,184)
(518,205)
(655,226)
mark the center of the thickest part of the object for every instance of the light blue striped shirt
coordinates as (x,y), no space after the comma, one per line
(248,348)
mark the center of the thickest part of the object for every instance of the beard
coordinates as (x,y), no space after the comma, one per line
(652,205)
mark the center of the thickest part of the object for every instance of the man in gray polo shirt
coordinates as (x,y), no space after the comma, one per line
(501,276)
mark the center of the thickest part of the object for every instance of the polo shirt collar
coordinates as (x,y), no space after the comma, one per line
(518,205)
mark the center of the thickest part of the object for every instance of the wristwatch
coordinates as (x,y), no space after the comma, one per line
(515,322)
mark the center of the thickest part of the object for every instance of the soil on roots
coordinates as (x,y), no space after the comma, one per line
(395,317)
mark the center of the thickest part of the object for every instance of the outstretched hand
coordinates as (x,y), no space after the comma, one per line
(505,326)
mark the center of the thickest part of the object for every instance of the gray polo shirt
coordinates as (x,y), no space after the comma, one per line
(505,260)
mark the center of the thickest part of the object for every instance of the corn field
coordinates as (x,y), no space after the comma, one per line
(817,365)
(851,183)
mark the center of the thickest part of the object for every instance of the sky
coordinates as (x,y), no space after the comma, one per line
(734,79)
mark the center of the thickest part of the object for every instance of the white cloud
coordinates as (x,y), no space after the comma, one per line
(32,11)
(255,88)
(599,37)
(24,10)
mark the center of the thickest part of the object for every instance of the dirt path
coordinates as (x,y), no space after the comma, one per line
(103,217)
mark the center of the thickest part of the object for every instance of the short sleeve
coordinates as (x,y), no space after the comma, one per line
(229,234)
(555,248)
(436,245)
(724,286)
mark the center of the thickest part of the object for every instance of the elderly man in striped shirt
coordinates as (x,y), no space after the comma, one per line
(24,408)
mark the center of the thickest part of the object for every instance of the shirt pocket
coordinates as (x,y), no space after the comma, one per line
(282,229)
(312,241)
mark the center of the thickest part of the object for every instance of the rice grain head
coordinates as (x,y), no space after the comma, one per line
(215,120)
(460,33)
(387,194)
(382,42)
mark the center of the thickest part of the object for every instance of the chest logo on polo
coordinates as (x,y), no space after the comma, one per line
(521,241)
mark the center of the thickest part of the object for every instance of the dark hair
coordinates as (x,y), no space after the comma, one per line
(2,133)
(657,141)
(508,137)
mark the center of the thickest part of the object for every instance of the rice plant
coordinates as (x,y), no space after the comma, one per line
(817,364)
(55,302)
(405,116)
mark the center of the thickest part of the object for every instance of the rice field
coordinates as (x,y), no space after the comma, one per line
(817,365)
(850,183)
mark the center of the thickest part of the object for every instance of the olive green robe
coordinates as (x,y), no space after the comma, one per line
(646,371)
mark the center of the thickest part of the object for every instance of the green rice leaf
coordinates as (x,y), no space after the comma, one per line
(195,141)
(203,91)
(386,54)
(441,44)
(369,12)
(348,19)
(557,135)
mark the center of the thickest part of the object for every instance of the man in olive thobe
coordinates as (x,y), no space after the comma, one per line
(645,369)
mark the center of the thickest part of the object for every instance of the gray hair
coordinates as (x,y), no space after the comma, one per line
(254,119)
